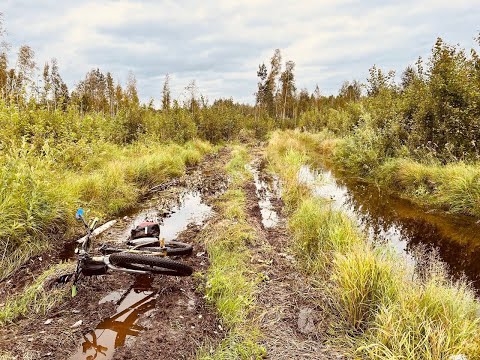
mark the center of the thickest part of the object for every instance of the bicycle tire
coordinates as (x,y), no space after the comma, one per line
(151,264)
(173,248)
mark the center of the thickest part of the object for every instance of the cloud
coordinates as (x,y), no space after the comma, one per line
(220,44)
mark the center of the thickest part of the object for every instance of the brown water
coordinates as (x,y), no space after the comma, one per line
(406,226)
(114,331)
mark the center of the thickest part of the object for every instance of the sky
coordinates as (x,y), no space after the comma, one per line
(221,44)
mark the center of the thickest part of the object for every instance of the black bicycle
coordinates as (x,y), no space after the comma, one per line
(135,260)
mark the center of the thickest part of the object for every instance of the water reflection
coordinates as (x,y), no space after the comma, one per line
(266,188)
(112,332)
(404,225)
(189,209)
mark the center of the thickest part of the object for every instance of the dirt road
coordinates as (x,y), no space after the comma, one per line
(133,317)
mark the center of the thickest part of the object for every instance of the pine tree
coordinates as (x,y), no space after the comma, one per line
(166,96)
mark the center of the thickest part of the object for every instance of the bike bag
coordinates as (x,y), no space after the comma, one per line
(91,268)
(145,229)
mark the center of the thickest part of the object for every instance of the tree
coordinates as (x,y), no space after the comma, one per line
(351,91)
(260,95)
(110,93)
(288,89)
(46,85)
(131,89)
(166,96)
(271,83)
(192,90)
(59,88)
(24,71)
(378,81)
(409,75)
(317,96)
(118,96)
(303,101)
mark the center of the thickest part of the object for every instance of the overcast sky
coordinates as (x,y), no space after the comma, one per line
(220,45)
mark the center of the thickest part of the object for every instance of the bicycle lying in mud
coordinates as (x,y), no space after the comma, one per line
(143,258)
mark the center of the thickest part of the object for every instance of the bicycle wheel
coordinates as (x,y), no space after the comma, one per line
(152,264)
(173,248)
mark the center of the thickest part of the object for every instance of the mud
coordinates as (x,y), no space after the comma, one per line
(267,191)
(285,294)
(123,316)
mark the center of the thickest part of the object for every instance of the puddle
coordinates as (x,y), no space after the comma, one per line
(190,209)
(266,188)
(389,219)
(114,296)
(114,331)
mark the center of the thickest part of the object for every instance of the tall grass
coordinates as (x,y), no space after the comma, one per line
(384,311)
(318,233)
(39,196)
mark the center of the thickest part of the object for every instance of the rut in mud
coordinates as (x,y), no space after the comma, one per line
(123,316)
(290,310)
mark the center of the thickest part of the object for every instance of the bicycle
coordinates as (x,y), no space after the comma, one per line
(133,260)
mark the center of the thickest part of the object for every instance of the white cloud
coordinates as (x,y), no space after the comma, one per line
(220,44)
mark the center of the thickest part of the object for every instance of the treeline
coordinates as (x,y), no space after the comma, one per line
(432,114)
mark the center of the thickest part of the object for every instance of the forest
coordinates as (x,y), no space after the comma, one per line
(414,135)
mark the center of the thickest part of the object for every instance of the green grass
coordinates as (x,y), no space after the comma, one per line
(231,281)
(381,309)
(39,297)
(38,198)
(318,233)
(454,187)
(236,167)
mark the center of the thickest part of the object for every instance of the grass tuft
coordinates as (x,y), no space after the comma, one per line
(39,297)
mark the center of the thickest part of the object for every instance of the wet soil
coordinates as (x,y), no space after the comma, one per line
(124,316)
(286,294)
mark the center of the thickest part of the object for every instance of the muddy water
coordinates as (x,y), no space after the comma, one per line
(114,331)
(406,226)
(190,209)
(267,189)
(139,299)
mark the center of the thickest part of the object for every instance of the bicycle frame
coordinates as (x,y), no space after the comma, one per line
(83,248)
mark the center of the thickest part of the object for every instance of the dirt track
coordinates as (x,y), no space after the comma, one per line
(131,317)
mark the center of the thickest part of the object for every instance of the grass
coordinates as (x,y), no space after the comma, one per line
(38,197)
(454,187)
(235,168)
(362,282)
(231,281)
(383,309)
(39,297)
(318,233)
